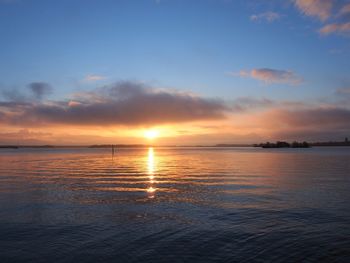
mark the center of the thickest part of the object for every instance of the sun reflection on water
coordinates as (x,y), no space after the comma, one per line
(150,171)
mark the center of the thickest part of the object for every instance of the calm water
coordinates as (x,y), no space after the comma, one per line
(175,205)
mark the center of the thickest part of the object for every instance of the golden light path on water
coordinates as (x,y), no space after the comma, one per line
(150,171)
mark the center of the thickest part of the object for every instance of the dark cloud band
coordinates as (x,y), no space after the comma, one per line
(124,103)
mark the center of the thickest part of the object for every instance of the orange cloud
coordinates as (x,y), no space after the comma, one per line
(268,75)
(321,9)
(342,28)
(324,11)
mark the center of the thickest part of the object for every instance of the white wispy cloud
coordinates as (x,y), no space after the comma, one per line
(94,77)
(267,16)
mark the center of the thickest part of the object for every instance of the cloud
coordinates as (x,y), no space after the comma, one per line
(343,91)
(267,16)
(127,106)
(309,123)
(23,136)
(40,89)
(13,104)
(328,10)
(244,104)
(345,10)
(322,9)
(341,28)
(94,77)
(312,124)
(310,135)
(124,103)
(316,118)
(13,94)
(32,92)
(270,76)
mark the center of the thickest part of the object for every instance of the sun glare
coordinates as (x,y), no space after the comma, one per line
(151,134)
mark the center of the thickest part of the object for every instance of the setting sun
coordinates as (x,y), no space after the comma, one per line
(151,134)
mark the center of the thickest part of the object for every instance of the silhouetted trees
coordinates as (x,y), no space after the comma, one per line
(346,142)
(282,144)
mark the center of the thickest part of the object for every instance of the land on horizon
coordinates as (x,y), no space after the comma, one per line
(273,145)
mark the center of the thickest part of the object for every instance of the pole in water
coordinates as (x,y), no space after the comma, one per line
(112,150)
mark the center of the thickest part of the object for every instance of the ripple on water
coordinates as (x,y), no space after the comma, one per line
(175,205)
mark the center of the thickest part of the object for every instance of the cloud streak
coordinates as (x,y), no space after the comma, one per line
(342,28)
(319,123)
(94,77)
(343,91)
(267,16)
(315,118)
(271,76)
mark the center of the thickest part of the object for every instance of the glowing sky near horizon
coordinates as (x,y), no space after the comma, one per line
(197,72)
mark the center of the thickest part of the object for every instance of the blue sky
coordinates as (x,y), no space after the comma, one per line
(208,47)
(181,44)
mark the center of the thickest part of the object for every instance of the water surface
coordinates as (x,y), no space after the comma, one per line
(175,205)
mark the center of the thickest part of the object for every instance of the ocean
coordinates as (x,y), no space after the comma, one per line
(175,205)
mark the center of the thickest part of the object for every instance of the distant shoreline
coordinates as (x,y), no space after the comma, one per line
(106,146)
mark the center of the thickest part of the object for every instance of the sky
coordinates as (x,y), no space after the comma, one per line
(81,72)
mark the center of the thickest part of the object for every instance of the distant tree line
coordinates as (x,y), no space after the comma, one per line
(346,142)
(282,144)
(8,147)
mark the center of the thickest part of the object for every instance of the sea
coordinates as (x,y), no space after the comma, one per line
(175,204)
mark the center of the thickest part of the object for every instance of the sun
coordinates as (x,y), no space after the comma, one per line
(151,134)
